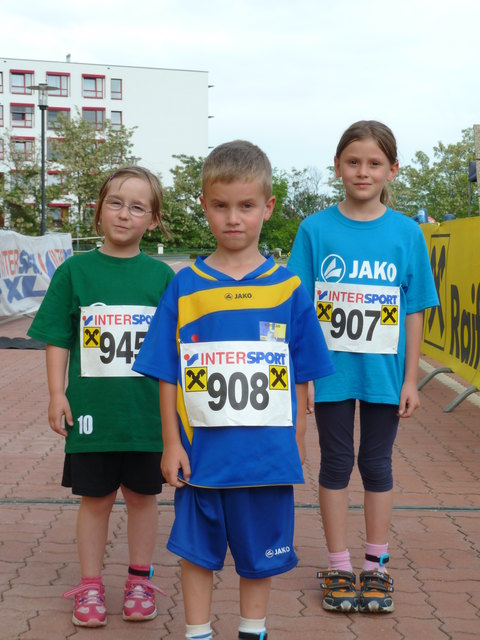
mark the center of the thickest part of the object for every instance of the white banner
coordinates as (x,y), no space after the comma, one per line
(27,264)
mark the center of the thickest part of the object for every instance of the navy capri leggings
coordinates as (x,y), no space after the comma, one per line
(378,430)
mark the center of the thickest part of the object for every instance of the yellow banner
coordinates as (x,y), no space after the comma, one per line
(451,332)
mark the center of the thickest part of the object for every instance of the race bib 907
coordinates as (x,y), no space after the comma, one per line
(358,318)
(111,337)
(228,384)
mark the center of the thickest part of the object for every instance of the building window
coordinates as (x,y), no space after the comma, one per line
(95,117)
(1,115)
(116,119)
(58,212)
(20,81)
(22,148)
(21,115)
(92,86)
(56,179)
(55,214)
(62,83)
(52,116)
(53,149)
(116,89)
(1,81)
(2,150)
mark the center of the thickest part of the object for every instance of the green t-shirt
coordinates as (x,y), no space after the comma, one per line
(99,308)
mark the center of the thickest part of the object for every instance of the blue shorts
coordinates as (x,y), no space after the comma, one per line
(257,524)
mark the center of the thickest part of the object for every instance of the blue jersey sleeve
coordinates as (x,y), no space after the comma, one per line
(310,356)
(301,259)
(158,356)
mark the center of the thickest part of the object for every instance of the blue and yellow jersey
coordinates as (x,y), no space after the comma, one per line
(235,349)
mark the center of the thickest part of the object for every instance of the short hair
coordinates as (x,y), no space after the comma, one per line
(379,132)
(238,160)
(156,198)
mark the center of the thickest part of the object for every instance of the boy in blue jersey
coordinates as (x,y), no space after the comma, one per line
(234,345)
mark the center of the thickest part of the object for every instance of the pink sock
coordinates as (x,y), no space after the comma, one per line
(97,580)
(376,550)
(340,560)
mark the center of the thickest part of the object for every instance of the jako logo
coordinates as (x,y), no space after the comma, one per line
(333,268)
(228,296)
(271,553)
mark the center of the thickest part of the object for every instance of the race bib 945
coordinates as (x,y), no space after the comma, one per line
(359,318)
(228,384)
(111,337)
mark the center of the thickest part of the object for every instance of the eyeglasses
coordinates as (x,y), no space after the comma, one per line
(136,210)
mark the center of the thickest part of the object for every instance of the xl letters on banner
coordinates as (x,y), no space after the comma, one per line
(27,264)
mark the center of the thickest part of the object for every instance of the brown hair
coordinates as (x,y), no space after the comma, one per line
(237,160)
(156,198)
(379,132)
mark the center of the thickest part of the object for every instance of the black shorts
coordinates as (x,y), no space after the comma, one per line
(98,474)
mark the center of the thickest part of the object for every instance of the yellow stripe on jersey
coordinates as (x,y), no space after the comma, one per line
(230,298)
(182,412)
(269,272)
(207,276)
(202,274)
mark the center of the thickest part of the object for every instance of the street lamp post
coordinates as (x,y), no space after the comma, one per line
(43,88)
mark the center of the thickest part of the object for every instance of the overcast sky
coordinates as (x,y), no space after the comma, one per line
(289,75)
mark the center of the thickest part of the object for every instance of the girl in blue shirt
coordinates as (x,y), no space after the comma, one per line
(367,268)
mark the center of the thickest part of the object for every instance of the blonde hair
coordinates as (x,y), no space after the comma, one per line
(156,197)
(238,160)
(379,132)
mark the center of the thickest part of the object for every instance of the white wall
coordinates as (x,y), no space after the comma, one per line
(169,107)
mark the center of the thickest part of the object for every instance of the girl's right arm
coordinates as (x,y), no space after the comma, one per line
(57,359)
(174,456)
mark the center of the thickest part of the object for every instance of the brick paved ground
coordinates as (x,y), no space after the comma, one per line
(435,538)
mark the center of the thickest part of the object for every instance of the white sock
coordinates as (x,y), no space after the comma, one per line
(199,631)
(252,626)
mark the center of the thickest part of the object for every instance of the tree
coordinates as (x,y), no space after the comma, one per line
(277,232)
(440,186)
(183,212)
(305,193)
(20,188)
(86,156)
(298,194)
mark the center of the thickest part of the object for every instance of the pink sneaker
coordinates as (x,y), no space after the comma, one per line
(139,599)
(89,609)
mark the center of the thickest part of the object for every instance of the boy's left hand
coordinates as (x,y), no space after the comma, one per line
(409,400)
(174,458)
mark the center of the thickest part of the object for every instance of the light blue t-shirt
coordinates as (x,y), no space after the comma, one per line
(350,259)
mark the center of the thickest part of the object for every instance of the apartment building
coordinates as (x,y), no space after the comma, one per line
(168,107)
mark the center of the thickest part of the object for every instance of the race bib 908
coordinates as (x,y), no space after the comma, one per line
(111,337)
(358,318)
(228,384)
